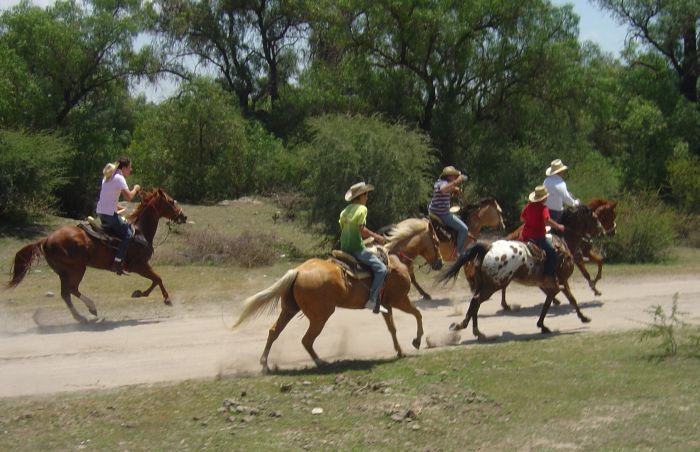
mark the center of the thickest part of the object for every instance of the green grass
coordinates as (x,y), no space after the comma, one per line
(576,392)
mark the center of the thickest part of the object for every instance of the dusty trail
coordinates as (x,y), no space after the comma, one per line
(62,356)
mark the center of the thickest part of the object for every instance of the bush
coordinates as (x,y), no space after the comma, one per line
(345,150)
(594,176)
(684,178)
(33,167)
(249,249)
(645,230)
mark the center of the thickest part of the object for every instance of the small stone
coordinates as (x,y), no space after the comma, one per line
(247,419)
(317,410)
(244,393)
(306,383)
(231,419)
(275,414)
(49,294)
(286,387)
(221,409)
(415,426)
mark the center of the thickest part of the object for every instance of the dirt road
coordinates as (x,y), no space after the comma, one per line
(61,356)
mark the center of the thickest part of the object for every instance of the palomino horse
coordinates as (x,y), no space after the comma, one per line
(580,244)
(70,250)
(496,265)
(425,245)
(485,213)
(317,287)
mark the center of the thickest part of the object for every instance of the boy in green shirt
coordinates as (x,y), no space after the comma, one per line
(353,229)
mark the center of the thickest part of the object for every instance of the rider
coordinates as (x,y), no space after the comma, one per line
(536,216)
(113,185)
(559,195)
(353,229)
(446,186)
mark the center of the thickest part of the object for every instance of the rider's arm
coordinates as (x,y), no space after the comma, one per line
(129,194)
(555,225)
(365,232)
(452,186)
(566,197)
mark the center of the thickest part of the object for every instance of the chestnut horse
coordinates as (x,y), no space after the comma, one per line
(485,213)
(318,286)
(581,245)
(70,250)
(496,265)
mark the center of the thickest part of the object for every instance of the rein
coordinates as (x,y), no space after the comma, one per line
(170,228)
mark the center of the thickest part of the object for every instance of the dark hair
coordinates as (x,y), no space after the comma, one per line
(123,162)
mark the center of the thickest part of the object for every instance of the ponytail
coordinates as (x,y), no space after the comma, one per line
(108,171)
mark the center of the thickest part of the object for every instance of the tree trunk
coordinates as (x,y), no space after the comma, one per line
(691,68)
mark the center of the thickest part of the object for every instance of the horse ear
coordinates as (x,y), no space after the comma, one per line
(160,192)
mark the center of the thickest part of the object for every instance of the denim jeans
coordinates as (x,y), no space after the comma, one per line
(116,226)
(453,221)
(550,262)
(378,269)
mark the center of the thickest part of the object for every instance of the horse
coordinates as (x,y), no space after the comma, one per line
(580,245)
(485,213)
(503,261)
(318,286)
(70,250)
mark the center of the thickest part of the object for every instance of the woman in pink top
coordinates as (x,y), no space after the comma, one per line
(113,186)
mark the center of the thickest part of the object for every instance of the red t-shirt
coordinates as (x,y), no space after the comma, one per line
(535,215)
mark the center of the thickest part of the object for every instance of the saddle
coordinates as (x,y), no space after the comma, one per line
(352,267)
(444,232)
(94,229)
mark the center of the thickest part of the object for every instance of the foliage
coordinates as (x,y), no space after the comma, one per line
(665,326)
(645,230)
(33,166)
(346,150)
(684,178)
(594,176)
(250,249)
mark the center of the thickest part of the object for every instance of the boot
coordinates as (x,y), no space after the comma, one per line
(550,282)
(117,267)
(376,307)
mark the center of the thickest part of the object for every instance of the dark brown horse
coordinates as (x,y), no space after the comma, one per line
(317,287)
(70,250)
(580,244)
(503,261)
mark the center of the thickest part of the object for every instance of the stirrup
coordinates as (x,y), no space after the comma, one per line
(376,307)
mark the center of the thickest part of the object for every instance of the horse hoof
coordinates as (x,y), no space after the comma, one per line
(545,330)
(427,296)
(455,327)
(416,344)
(136,294)
(585,319)
(556,302)
(597,292)
(321,363)
(93,311)
(168,302)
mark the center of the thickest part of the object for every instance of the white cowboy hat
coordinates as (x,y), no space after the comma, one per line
(450,171)
(556,167)
(539,194)
(357,189)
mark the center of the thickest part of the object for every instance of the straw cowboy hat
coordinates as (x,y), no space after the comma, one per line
(450,171)
(556,167)
(539,194)
(357,189)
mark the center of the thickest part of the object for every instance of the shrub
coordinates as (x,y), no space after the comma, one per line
(594,176)
(345,150)
(644,230)
(665,326)
(33,167)
(684,178)
(249,249)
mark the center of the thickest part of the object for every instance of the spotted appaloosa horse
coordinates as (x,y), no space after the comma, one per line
(503,261)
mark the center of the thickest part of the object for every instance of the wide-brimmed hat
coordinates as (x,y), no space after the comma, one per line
(539,194)
(450,171)
(556,167)
(357,189)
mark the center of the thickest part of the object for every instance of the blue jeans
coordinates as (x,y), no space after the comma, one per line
(116,226)
(550,262)
(453,221)
(378,269)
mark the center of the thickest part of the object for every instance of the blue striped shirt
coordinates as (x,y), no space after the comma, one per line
(440,204)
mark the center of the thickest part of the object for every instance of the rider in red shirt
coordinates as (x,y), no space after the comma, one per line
(536,217)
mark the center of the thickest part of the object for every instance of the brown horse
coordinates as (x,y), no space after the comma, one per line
(485,213)
(580,244)
(317,287)
(496,265)
(70,250)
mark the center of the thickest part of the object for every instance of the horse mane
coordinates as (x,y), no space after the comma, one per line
(479,204)
(146,198)
(405,229)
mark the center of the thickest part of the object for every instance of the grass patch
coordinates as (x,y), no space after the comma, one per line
(576,392)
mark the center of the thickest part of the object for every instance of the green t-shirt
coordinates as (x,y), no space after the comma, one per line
(350,220)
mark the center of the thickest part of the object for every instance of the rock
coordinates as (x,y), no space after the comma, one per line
(275,414)
(286,387)
(49,294)
(339,379)
(231,419)
(247,419)
(317,410)
(244,393)
(306,383)
(221,409)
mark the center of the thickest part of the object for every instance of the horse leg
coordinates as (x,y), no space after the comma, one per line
(406,306)
(68,286)
(316,325)
(578,260)
(504,305)
(423,293)
(567,291)
(147,272)
(389,319)
(598,259)
(472,313)
(543,314)
(285,316)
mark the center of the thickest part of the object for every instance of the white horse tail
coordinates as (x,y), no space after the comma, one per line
(254,305)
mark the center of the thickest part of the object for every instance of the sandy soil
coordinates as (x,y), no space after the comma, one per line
(61,356)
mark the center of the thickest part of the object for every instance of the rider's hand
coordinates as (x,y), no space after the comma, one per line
(381,240)
(137,188)
(561,228)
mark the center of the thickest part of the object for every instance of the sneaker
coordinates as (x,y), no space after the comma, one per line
(371,304)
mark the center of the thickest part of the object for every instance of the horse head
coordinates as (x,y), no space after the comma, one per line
(487,212)
(583,220)
(605,211)
(167,207)
(433,256)
(416,237)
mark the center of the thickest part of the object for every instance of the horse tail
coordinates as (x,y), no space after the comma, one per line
(474,252)
(253,305)
(24,259)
